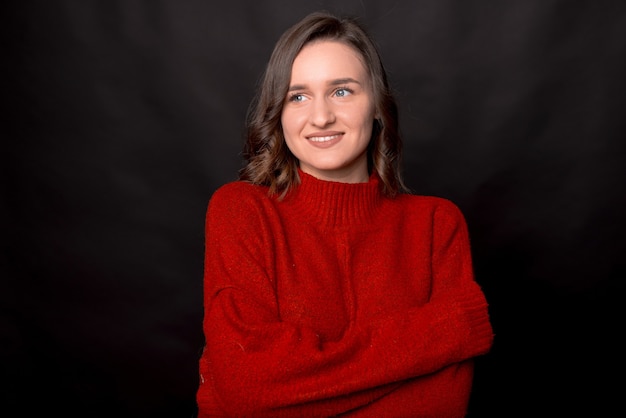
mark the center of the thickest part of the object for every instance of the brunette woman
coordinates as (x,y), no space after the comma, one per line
(330,290)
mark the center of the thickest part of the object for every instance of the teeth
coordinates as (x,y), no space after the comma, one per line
(322,138)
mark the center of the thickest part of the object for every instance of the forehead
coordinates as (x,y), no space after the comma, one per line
(329,58)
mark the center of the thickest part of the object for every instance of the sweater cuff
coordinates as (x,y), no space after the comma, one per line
(476,315)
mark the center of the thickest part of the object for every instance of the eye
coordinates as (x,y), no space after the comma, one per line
(343,92)
(296,98)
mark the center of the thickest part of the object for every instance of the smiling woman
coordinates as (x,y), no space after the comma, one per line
(329,114)
(309,308)
(268,159)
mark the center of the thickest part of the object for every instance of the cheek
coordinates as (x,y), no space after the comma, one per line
(290,123)
(290,131)
(362,116)
(362,121)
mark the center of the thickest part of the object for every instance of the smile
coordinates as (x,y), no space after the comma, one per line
(322,138)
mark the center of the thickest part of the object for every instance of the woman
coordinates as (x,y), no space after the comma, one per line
(329,289)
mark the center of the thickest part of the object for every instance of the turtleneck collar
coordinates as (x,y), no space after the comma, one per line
(334,203)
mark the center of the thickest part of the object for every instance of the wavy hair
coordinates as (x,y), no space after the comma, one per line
(268,160)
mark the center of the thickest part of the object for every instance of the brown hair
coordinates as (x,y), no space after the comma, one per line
(268,160)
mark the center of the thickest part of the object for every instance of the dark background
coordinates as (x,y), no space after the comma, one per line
(122,117)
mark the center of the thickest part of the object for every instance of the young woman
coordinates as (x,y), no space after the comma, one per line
(330,290)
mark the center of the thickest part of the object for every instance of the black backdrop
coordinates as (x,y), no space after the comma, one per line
(122,117)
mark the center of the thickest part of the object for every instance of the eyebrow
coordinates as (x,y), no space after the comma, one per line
(336,82)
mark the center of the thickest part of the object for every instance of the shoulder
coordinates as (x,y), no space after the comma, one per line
(237,197)
(440,213)
(434,205)
(238,192)
(238,213)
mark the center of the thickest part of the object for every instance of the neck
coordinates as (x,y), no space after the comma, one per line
(354,173)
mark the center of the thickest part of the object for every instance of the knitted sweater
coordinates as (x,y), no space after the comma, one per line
(338,301)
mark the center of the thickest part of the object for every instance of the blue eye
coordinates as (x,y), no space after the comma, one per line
(343,92)
(297,97)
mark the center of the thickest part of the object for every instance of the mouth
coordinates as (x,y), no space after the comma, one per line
(325,138)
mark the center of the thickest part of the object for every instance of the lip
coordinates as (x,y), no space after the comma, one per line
(324,139)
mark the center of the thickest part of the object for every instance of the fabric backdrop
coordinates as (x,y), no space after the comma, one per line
(122,117)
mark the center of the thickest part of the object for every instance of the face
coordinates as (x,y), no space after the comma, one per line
(329,111)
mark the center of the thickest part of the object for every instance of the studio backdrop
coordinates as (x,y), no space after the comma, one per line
(123,117)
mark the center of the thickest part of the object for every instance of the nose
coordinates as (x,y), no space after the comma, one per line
(321,113)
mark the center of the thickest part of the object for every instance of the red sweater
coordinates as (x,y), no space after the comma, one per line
(338,301)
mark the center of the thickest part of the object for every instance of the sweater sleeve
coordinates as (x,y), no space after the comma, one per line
(452,267)
(453,284)
(255,364)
